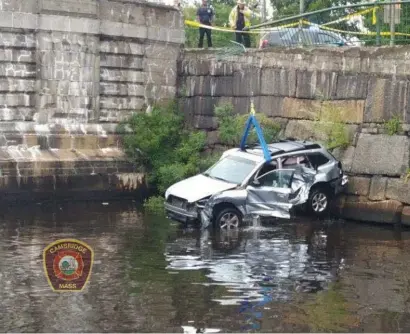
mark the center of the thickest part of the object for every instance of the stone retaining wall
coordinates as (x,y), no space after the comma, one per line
(293,86)
(70,70)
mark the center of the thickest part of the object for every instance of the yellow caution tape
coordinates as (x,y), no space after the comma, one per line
(349,16)
(195,24)
(306,22)
(374,18)
(365,33)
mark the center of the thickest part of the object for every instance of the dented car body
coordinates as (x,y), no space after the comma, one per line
(243,184)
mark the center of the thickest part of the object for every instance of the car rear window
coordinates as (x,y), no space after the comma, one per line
(317,159)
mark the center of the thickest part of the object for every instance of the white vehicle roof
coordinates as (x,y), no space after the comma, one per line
(238,153)
(255,153)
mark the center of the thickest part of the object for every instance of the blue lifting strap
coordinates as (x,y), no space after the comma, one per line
(253,121)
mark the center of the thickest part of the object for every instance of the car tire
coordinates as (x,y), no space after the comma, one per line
(319,202)
(228,218)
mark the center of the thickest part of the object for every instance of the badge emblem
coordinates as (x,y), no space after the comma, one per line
(67,264)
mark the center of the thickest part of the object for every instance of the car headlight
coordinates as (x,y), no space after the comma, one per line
(190,207)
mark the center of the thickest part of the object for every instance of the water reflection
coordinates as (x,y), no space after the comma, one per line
(151,276)
(276,261)
(257,267)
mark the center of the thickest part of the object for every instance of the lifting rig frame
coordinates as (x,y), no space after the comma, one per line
(253,121)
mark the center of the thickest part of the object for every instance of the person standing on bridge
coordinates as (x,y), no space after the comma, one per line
(205,15)
(239,20)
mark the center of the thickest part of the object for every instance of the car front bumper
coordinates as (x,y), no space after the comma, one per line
(205,219)
(179,214)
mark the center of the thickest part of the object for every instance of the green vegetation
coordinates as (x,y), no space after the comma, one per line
(393,125)
(330,125)
(290,7)
(231,126)
(407,175)
(159,143)
(155,204)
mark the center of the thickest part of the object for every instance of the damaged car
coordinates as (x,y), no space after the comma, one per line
(243,185)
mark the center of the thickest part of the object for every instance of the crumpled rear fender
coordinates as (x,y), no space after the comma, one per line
(302,196)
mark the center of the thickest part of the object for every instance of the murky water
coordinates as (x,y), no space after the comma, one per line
(151,276)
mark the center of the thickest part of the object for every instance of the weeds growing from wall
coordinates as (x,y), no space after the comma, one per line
(329,124)
(407,176)
(163,148)
(393,125)
(231,126)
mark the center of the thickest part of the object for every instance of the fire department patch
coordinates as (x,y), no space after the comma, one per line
(67,264)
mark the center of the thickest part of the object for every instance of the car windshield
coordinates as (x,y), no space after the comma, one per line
(231,169)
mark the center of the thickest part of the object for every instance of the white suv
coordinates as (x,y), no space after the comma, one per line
(242,184)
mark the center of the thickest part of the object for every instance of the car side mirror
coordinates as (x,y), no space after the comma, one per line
(256,182)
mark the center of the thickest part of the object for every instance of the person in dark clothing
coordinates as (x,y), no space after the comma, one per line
(205,16)
(239,21)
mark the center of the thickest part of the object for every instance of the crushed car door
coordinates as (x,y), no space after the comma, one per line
(268,194)
(302,181)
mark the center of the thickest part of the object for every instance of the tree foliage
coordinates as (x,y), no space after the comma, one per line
(285,8)
(291,7)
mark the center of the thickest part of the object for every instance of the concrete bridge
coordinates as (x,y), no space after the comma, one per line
(71,70)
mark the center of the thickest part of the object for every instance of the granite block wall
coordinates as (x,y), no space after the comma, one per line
(369,86)
(70,71)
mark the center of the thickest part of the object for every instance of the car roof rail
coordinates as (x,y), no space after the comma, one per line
(312,146)
(251,146)
(278,152)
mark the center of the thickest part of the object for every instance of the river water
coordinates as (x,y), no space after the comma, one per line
(150,275)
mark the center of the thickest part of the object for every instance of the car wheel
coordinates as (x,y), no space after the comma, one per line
(319,202)
(228,218)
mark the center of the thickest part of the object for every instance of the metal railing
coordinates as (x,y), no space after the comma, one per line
(364,24)
(375,23)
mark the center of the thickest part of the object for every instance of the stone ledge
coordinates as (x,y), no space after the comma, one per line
(51,171)
(34,162)
(84,8)
(9,128)
(85,25)
(387,212)
(74,187)
(349,60)
(25,141)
